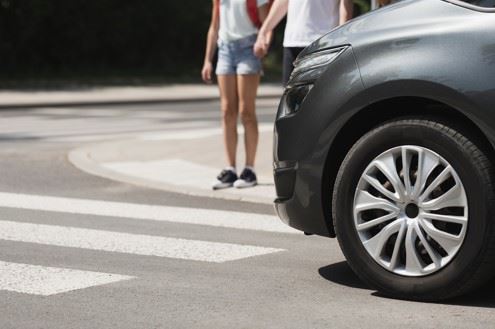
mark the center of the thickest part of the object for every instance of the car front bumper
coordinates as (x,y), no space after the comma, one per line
(298,185)
(302,142)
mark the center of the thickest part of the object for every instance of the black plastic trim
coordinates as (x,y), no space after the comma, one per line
(285,181)
(469,6)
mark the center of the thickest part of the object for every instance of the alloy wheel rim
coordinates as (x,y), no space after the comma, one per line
(411,211)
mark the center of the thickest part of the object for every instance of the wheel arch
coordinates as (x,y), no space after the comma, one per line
(385,110)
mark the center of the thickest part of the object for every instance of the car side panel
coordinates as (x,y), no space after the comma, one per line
(461,72)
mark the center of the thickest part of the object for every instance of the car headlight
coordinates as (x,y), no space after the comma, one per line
(293,99)
(306,70)
(310,67)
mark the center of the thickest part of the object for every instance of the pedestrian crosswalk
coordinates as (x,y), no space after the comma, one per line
(45,280)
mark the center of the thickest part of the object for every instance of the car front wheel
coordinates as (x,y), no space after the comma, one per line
(412,209)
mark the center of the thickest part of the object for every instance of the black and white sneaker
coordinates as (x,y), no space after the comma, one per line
(247,179)
(226,179)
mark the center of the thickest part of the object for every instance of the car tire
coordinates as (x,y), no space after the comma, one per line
(412,264)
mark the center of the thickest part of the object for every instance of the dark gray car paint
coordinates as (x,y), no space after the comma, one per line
(416,48)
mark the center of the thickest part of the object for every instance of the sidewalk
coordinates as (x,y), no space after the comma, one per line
(120,95)
(183,162)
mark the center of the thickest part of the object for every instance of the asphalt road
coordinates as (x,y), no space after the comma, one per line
(78,251)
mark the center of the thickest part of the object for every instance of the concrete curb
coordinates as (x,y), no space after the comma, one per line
(17,106)
(81,159)
(122,95)
(110,102)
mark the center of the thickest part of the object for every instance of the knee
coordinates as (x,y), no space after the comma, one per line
(229,111)
(247,113)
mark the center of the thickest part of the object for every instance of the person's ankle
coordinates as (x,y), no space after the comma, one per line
(250,168)
(231,168)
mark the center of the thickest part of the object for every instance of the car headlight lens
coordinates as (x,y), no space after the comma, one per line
(293,99)
(310,67)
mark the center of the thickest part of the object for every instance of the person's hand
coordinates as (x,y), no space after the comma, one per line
(261,46)
(207,72)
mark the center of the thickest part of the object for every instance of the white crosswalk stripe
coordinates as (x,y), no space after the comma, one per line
(218,218)
(46,281)
(137,244)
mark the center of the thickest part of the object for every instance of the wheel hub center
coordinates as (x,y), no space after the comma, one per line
(412,210)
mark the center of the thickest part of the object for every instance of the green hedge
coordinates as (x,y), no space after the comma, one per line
(64,37)
(98,38)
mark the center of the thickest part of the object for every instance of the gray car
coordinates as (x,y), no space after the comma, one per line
(385,137)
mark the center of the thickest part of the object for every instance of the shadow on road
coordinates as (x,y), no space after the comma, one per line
(342,274)
(482,297)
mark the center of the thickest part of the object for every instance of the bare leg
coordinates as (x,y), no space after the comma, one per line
(229,101)
(247,86)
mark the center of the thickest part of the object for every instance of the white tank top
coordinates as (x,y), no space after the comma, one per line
(308,20)
(235,23)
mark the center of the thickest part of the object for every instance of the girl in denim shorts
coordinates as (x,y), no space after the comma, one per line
(238,72)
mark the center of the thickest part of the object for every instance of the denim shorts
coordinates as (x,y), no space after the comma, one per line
(237,57)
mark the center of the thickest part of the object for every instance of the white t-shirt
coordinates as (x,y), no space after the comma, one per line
(235,23)
(308,20)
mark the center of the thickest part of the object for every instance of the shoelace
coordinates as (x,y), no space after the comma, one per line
(222,174)
(247,174)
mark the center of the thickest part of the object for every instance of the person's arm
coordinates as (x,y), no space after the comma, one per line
(346,9)
(277,12)
(264,11)
(211,43)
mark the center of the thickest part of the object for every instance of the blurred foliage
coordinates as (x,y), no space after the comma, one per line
(123,39)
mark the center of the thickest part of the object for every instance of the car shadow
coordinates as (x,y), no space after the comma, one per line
(341,273)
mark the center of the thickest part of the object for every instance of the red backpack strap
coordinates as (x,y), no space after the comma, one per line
(252,10)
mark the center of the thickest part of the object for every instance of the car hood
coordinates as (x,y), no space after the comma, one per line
(400,20)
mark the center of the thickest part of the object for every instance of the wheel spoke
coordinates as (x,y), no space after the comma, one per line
(442,177)
(366,201)
(413,263)
(406,169)
(400,239)
(426,164)
(380,188)
(386,164)
(376,244)
(374,222)
(455,197)
(447,241)
(445,218)
(435,257)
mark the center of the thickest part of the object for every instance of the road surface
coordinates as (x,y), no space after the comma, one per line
(80,251)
